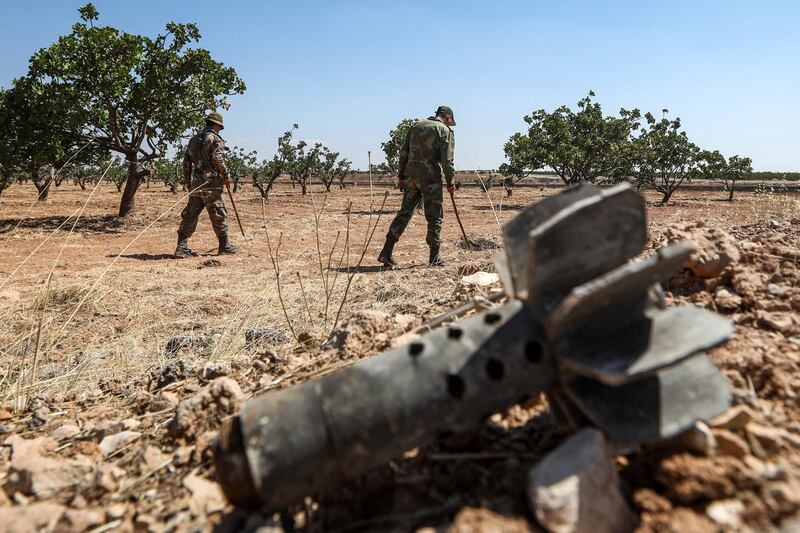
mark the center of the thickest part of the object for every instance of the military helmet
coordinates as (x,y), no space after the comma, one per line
(215,117)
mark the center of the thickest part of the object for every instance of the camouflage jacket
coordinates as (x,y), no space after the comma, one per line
(204,159)
(428,151)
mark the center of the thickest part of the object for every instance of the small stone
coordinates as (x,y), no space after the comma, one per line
(726,512)
(113,443)
(116,511)
(715,249)
(480,279)
(40,516)
(212,371)
(737,417)
(108,477)
(698,439)
(769,438)
(576,488)
(80,520)
(265,335)
(777,321)
(729,443)
(32,474)
(777,290)
(727,300)
(65,431)
(219,399)
(650,501)
(153,458)
(207,497)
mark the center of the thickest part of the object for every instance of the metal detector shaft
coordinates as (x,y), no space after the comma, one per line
(235,211)
(458,218)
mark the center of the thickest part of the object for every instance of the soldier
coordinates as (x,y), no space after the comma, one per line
(205,174)
(427,153)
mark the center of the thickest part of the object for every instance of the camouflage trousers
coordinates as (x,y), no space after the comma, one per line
(430,194)
(212,202)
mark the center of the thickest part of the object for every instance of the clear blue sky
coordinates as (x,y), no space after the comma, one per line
(348,70)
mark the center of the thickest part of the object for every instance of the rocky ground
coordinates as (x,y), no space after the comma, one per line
(128,448)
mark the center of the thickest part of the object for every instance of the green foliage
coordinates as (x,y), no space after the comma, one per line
(169,170)
(485,184)
(773,176)
(330,168)
(728,172)
(264,177)
(665,157)
(240,164)
(391,148)
(132,94)
(34,143)
(302,162)
(582,146)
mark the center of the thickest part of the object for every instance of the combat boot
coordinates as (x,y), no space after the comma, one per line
(385,257)
(225,246)
(435,259)
(183,250)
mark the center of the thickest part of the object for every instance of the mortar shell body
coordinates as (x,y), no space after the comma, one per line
(302,440)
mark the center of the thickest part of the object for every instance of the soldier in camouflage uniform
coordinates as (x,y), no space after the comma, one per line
(205,174)
(427,153)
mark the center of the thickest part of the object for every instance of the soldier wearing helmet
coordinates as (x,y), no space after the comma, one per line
(204,174)
(426,155)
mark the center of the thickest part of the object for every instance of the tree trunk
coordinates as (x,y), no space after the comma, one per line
(5,181)
(667,196)
(730,194)
(303,187)
(128,200)
(42,186)
(236,184)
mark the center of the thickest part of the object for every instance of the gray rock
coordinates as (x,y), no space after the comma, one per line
(576,488)
(265,335)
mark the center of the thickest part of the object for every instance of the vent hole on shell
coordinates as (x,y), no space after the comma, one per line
(415,349)
(455,333)
(534,352)
(495,369)
(455,386)
(492,318)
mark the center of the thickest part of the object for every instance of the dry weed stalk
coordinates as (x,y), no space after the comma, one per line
(367,239)
(276,268)
(305,299)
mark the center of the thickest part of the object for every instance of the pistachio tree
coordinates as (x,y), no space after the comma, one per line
(270,170)
(665,157)
(302,162)
(391,148)
(330,168)
(35,140)
(133,94)
(579,146)
(240,164)
(726,171)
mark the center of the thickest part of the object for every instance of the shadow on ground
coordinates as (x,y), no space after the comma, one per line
(147,257)
(86,224)
(497,207)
